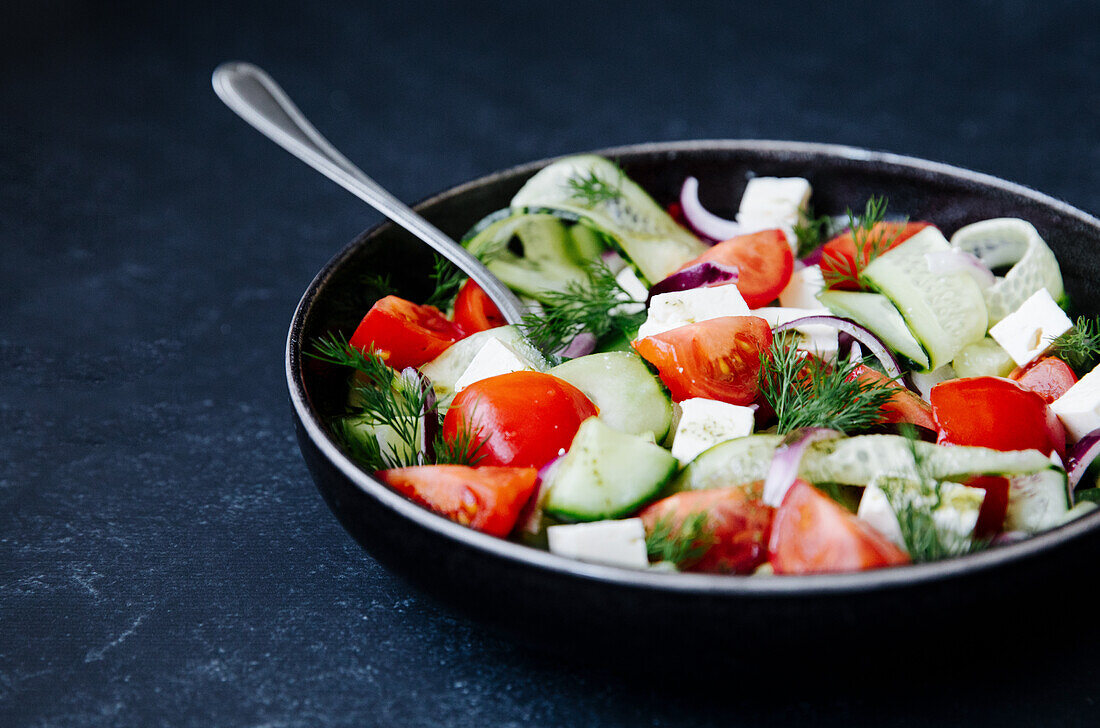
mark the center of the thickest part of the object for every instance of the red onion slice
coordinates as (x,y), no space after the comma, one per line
(857,332)
(1081,456)
(787,458)
(700,275)
(703,221)
(956,261)
(582,344)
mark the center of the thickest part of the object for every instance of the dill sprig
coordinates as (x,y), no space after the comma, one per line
(465,449)
(868,241)
(811,232)
(914,504)
(595,306)
(1080,346)
(683,544)
(591,189)
(805,391)
(446,279)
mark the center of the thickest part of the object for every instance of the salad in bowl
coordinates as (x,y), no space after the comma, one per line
(777,393)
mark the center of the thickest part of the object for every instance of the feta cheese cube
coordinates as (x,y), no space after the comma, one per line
(802,291)
(954,517)
(774,202)
(875,509)
(494,358)
(617,543)
(1079,407)
(636,292)
(1029,330)
(704,423)
(818,339)
(668,311)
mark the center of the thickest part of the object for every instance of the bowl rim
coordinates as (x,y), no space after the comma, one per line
(684,583)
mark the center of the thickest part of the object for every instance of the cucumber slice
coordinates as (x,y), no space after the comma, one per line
(606,474)
(859,460)
(624,212)
(445,369)
(945,312)
(734,462)
(1037,501)
(1011,241)
(548,263)
(586,244)
(361,429)
(877,314)
(630,398)
(983,358)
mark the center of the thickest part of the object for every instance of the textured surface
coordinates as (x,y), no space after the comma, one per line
(164,557)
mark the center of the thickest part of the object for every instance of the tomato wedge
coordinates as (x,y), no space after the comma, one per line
(764,264)
(736,528)
(997,413)
(838,257)
(523,419)
(475,311)
(717,359)
(904,406)
(1049,377)
(403,333)
(811,534)
(486,499)
(991,516)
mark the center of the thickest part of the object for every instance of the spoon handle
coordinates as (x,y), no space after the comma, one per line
(254,95)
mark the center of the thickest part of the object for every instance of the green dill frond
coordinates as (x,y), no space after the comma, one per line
(805,391)
(465,449)
(591,189)
(681,545)
(595,306)
(811,232)
(446,279)
(1080,346)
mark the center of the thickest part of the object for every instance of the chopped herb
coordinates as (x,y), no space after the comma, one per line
(805,391)
(595,306)
(591,189)
(868,241)
(465,449)
(811,232)
(1080,346)
(683,544)
(447,279)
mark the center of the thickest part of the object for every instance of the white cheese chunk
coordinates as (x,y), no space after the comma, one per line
(802,291)
(617,543)
(704,423)
(1079,407)
(492,359)
(774,202)
(636,292)
(818,339)
(925,381)
(954,517)
(1029,330)
(668,311)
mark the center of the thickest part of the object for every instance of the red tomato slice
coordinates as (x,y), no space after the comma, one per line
(484,498)
(737,526)
(475,311)
(904,406)
(997,413)
(991,517)
(1049,377)
(764,264)
(811,534)
(717,359)
(838,257)
(525,419)
(403,333)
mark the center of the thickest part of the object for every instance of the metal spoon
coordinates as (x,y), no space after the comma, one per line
(257,99)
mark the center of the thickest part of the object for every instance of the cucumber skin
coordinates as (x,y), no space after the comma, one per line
(582,472)
(648,401)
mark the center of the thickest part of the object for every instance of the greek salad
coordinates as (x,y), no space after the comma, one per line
(778,393)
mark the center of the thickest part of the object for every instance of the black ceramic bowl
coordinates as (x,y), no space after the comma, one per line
(558,602)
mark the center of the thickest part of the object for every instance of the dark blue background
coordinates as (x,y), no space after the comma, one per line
(164,557)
